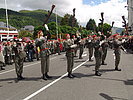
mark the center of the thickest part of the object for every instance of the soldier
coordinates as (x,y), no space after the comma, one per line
(19,59)
(117,45)
(7,53)
(97,55)
(41,42)
(89,45)
(69,47)
(104,49)
(81,48)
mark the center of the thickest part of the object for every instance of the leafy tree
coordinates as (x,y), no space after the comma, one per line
(68,20)
(105,27)
(91,25)
(25,34)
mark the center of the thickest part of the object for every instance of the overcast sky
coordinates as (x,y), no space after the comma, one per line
(85,9)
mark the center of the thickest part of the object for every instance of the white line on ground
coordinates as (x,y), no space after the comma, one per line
(50,84)
(24,66)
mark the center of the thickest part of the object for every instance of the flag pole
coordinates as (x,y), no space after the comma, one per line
(7,20)
(56,23)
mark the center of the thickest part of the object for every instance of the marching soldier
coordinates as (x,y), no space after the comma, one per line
(104,49)
(89,45)
(117,45)
(41,42)
(69,47)
(19,59)
(81,48)
(97,55)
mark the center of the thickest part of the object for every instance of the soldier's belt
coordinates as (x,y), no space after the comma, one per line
(43,49)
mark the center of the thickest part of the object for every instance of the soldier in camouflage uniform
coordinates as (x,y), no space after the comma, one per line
(69,47)
(7,53)
(89,45)
(81,48)
(97,55)
(19,59)
(104,49)
(41,42)
(117,45)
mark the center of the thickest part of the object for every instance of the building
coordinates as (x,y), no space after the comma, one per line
(5,33)
(130,16)
(29,28)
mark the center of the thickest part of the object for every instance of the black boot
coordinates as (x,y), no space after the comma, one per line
(97,73)
(70,75)
(2,68)
(90,59)
(22,78)
(103,63)
(116,68)
(47,76)
(44,77)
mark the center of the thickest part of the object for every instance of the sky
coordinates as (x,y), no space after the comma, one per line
(85,9)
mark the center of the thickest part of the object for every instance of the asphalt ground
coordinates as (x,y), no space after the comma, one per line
(112,85)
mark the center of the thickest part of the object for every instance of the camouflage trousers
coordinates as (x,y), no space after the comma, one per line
(117,59)
(98,63)
(45,64)
(104,54)
(90,53)
(18,66)
(70,63)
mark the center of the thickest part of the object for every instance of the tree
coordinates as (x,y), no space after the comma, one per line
(25,34)
(68,19)
(106,27)
(91,25)
(65,20)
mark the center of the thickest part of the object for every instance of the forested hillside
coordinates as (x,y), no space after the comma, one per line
(26,17)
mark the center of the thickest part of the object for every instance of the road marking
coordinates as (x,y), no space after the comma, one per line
(50,84)
(24,66)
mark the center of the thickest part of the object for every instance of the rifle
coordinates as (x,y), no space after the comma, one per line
(125,24)
(46,20)
(49,14)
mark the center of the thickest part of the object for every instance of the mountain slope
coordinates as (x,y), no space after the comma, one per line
(26,17)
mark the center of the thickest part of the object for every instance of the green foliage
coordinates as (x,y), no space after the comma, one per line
(105,27)
(91,25)
(25,34)
(69,21)
(26,17)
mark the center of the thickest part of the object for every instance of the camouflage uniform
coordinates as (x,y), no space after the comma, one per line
(44,55)
(117,45)
(81,48)
(19,59)
(69,47)
(98,56)
(104,49)
(89,44)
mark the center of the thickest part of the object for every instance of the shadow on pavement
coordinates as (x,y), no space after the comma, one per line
(80,75)
(129,82)
(79,61)
(8,79)
(107,97)
(106,70)
(89,65)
